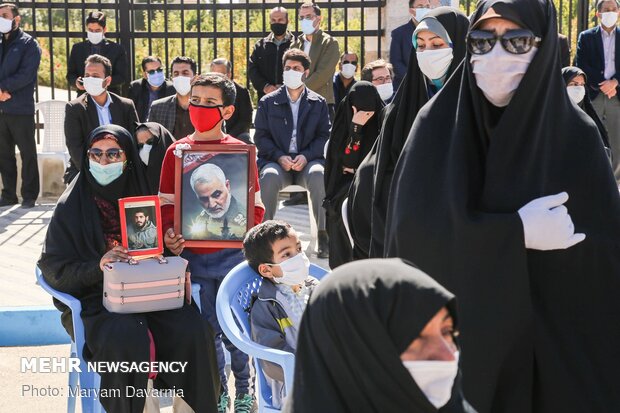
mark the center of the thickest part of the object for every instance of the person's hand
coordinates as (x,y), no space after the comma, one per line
(116,254)
(286,162)
(547,224)
(269,88)
(361,117)
(608,87)
(78,84)
(299,163)
(174,242)
(4,96)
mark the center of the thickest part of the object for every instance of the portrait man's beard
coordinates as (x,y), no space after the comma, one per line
(223,212)
(139,225)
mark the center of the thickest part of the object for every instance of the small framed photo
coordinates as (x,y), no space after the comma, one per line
(140,225)
(214,194)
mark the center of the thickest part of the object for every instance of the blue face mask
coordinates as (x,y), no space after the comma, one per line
(104,174)
(156,79)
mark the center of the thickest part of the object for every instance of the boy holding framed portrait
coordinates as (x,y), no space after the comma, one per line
(210,197)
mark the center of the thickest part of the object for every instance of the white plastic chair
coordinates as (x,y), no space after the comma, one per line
(345,219)
(54,145)
(313,224)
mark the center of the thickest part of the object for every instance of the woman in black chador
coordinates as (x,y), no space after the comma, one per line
(482,200)
(429,68)
(153,140)
(84,235)
(356,126)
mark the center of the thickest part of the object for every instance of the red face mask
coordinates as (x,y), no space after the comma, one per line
(205,118)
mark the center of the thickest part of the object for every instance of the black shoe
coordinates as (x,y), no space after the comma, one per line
(28,203)
(297,198)
(323,251)
(7,202)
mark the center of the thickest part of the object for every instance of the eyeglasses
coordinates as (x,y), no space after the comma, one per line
(382,79)
(152,72)
(513,41)
(353,62)
(112,155)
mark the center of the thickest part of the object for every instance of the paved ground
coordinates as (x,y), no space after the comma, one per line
(22,232)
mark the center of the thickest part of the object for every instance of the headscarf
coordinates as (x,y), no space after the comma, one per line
(364,96)
(370,190)
(526,316)
(162,140)
(359,320)
(571,72)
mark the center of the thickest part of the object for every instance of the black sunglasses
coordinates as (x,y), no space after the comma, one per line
(518,41)
(113,155)
(353,62)
(152,72)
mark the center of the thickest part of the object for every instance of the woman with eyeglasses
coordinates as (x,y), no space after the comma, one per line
(441,37)
(504,194)
(153,140)
(83,235)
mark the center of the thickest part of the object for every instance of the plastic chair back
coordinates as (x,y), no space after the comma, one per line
(345,220)
(233,303)
(53,112)
(87,379)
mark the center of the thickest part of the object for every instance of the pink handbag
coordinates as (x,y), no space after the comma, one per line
(150,285)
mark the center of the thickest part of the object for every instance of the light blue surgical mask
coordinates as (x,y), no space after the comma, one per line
(307,27)
(156,79)
(104,174)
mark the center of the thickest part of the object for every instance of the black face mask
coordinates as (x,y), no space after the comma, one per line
(278,28)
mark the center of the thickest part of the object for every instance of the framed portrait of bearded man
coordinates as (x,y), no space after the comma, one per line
(214,194)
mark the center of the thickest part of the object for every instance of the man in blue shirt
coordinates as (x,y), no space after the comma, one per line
(20,56)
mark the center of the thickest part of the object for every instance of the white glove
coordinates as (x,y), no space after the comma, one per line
(547,225)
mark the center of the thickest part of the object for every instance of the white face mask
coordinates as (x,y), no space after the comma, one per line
(435,63)
(93,85)
(307,27)
(295,270)
(348,70)
(385,90)
(435,378)
(609,18)
(6,25)
(182,84)
(576,93)
(421,13)
(292,79)
(94,38)
(499,73)
(145,152)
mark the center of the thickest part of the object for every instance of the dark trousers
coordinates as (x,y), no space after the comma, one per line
(18,130)
(209,270)
(180,335)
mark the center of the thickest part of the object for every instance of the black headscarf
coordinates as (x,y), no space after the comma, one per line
(162,140)
(527,317)
(75,232)
(370,191)
(357,324)
(569,73)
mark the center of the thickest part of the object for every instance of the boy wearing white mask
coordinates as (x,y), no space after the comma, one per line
(344,79)
(598,58)
(273,250)
(96,107)
(380,73)
(323,52)
(152,86)
(172,112)
(96,43)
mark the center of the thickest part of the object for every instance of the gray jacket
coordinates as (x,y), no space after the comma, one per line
(272,327)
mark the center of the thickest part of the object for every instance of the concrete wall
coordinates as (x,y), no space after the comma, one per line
(51,170)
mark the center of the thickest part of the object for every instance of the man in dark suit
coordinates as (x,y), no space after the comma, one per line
(151,87)
(173,112)
(401,45)
(345,78)
(238,126)
(598,55)
(96,43)
(94,108)
(292,125)
(265,64)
